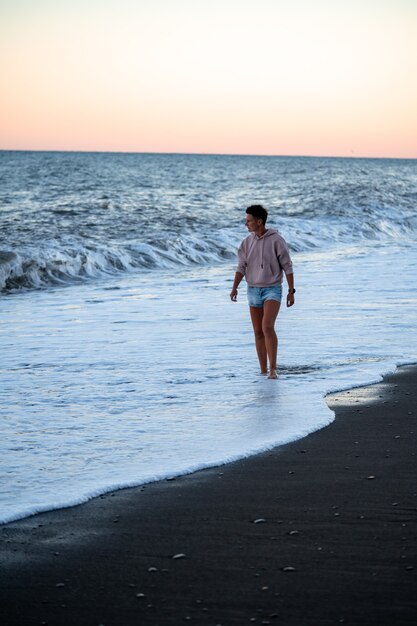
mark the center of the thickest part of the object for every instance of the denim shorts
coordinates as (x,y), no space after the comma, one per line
(257,296)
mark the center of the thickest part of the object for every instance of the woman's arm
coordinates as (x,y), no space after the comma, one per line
(291,290)
(236,283)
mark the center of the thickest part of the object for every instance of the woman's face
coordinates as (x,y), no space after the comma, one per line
(252,223)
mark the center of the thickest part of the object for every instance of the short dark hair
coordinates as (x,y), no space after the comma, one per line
(258,211)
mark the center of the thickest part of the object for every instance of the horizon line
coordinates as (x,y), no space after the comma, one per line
(225,154)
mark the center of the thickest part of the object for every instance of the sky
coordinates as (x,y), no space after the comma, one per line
(279,77)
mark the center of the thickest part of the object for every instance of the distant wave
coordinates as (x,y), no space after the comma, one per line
(73,217)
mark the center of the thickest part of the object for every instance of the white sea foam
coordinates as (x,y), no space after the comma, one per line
(152,375)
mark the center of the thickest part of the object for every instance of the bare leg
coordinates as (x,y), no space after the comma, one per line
(271,309)
(256,315)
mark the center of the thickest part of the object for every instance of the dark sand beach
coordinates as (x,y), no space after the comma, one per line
(321,531)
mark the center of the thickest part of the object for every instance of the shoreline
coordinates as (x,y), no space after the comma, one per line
(99,493)
(318,531)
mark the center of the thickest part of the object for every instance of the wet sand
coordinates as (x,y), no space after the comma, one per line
(320,531)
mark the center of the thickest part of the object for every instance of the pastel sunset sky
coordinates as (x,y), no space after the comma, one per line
(285,77)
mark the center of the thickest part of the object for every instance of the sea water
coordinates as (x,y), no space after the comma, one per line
(124,361)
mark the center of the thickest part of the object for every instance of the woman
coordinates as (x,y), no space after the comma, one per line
(263,257)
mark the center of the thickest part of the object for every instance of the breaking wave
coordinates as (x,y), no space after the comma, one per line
(68,259)
(71,259)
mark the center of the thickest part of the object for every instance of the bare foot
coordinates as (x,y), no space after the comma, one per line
(273,373)
(264,373)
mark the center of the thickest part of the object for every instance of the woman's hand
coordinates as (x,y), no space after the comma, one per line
(233,294)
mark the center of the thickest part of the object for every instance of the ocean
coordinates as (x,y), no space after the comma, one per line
(123,360)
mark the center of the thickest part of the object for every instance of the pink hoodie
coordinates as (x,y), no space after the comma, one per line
(262,259)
